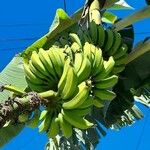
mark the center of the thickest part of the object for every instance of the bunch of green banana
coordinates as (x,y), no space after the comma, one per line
(109,41)
(81,68)
(44,69)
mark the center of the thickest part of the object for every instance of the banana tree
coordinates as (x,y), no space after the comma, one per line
(109,72)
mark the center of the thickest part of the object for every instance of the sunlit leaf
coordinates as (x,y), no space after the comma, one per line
(131,19)
(109,17)
(12,74)
(121,5)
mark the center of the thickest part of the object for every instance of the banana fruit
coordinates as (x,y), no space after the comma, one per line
(75,74)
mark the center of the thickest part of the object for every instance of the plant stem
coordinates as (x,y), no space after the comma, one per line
(13,107)
(137,16)
(11,88)
(139,51)
(48,94)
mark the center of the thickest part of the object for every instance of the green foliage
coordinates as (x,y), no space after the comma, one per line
(12,74)
(134,76)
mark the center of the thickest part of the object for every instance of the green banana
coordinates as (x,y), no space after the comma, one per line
(65,126)
(50,94)
(108,67)
(109,40)
(98,62)
(36,72)
(70,83)
(87,51)
(75,47)
(43,114)
(107,82)
(80,112)
(56,61)
(31,77)
(68,52)
(87,37)
(97,102)
(93,31)
(38,64)
(76,121)
(84,70)
(44,57)
(101,36)
(46,122)
(79,98)
(62,80)
(121,60)
(75,38)
(78,61)
(60,52)
(33,122)
(87,103)
(121,51)
(104,94)
(47,80)
(54,128)
(118,69)
(37,87)
(116,45)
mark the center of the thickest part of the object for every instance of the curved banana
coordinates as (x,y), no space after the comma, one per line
(109,39)
(75,38)
(45,124)
(43,114)
(121,60)
(79,98)
(80,112)
(107,82)
(101,36)
(38,64)
(75,47)
(118,69)
(85,70)
(54,128)
(56,61)
(104,94)
(65,126)
(78,61)
(62,81)
(121,51)
(116,45)
(98,62)
(36,72)
(108,67)
(93,30)
(31,77)
(70,83)
(87,51)
(37,87)
(87,103)
(97,102)
(76,121)
(43,55)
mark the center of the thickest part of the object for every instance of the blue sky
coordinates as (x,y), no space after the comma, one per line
(25,21)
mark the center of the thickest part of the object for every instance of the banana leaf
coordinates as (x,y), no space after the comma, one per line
(133,18)
(121,5)
(12,74)
(62,24)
